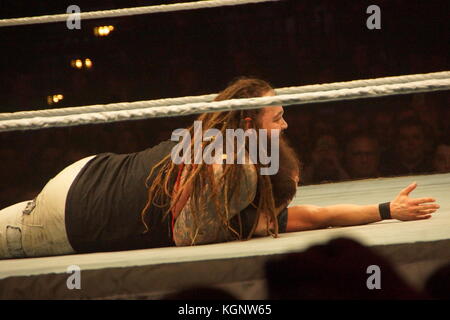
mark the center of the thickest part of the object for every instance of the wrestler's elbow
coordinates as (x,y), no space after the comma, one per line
(306,217)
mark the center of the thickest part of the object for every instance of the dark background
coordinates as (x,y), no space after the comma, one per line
(288,43)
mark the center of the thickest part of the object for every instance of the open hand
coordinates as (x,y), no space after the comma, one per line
(405,208)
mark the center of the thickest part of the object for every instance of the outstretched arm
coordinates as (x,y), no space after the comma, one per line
(404,208)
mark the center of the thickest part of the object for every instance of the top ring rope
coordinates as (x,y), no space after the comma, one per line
(128,11)
(210,97)
(236,104)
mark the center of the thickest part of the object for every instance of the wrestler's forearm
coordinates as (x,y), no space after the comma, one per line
(350,215)
(309,217)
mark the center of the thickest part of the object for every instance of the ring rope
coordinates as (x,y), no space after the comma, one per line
(127,11)
(210,97)
(145,112)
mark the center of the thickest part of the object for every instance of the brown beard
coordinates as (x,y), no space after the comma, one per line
(283,186)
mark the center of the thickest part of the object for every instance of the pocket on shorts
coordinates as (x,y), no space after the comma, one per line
(14,242)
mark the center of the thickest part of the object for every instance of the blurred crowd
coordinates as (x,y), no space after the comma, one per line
(404,135)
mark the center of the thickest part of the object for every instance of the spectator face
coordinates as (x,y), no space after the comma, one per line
(362,158)
(326,155)
(411,143)
(441,160)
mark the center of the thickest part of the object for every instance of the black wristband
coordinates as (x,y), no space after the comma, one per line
(385,210)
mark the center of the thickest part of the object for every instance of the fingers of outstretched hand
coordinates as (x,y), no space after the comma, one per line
(424,216)
(424,207)
(426,211)
(422,200)
(407,211)
(421,214)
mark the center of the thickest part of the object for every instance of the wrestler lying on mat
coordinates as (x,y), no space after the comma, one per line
(111,202)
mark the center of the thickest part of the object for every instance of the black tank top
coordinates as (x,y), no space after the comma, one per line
(104,204)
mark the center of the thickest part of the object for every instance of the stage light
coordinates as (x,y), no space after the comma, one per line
(78,64)
(88,63)
(54,98)
(103,31)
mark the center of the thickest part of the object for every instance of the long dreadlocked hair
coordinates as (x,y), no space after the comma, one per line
(161,190)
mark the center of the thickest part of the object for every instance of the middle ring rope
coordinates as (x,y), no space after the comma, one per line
(210,97)
(144,111)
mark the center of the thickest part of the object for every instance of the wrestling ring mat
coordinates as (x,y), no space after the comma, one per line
(415,248)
